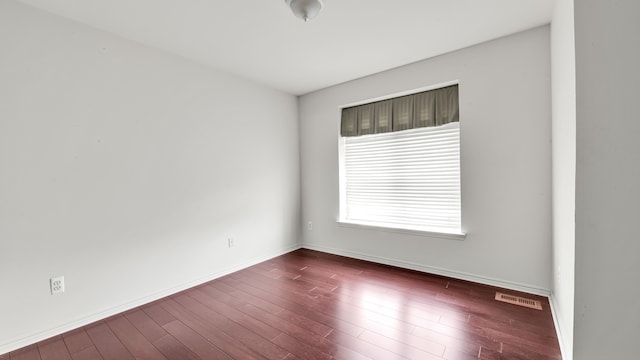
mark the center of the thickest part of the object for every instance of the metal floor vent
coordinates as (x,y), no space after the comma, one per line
(520,301)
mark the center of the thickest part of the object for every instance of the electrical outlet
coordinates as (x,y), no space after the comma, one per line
(309,225)
(57,285)
(231,242)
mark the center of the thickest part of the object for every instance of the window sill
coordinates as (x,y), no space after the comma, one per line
(379,227)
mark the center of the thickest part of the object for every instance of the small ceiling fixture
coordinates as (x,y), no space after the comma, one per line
(305,9)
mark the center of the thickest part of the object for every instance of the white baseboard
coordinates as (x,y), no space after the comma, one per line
(25,341)
(565,347)
(18,343)
(435,270)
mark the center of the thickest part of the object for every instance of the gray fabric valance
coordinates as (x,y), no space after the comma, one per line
(428,108)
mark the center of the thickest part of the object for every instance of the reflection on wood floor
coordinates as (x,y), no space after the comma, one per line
(312,305)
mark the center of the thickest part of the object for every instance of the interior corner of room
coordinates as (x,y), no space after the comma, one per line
(128,173)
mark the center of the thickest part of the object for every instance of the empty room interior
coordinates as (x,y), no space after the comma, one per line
(155,154)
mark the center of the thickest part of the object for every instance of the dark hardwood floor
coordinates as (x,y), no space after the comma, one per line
(312,305)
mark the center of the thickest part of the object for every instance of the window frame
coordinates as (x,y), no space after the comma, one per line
(343,221)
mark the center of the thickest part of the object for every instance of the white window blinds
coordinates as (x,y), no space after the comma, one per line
(406,179)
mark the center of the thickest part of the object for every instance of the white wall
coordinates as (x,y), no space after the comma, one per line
(607,252)
(505,116)
(563,92)
(125,169)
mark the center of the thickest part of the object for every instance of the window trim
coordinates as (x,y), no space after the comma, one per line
(384,228)
(394,95)
(373,226)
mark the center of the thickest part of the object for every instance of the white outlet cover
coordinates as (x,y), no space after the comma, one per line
(57,285)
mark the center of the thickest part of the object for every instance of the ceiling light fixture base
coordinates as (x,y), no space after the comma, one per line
(305,9)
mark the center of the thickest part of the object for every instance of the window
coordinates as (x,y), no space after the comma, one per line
(400,163)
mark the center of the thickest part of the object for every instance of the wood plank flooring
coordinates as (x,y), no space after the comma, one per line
(312,305)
